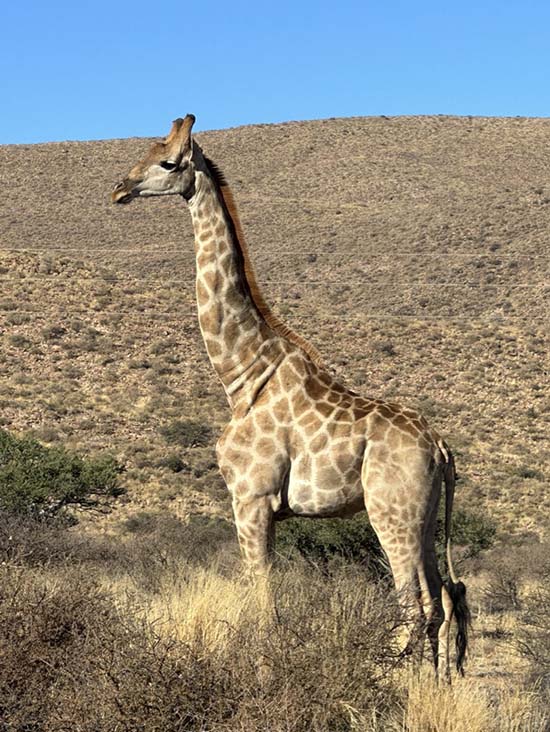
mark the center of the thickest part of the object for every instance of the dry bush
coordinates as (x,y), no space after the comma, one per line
(156,544)
(217,657)
(533,638)
(138,634)
(25,541)
(509,572)
(159,550)
(501,591)
(47,637)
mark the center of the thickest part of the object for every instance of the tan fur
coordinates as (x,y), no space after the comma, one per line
(270,318)
(299,443)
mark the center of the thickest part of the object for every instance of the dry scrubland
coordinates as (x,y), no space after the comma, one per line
(413,253)
(158,632)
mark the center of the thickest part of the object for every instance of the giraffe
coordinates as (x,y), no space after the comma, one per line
(299,443)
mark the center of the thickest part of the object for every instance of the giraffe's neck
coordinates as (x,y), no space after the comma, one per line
(243,349)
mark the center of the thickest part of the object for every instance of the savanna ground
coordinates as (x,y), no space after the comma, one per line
(413,253)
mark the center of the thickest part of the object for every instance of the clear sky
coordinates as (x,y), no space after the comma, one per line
(93,70)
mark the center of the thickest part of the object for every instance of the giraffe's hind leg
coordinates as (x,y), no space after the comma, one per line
(402,509)
(409,579)
(433,584)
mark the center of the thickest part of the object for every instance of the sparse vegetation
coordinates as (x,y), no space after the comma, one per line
(101,634)
(411,291)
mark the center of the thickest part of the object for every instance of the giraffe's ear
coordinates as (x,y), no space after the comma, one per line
(179,140)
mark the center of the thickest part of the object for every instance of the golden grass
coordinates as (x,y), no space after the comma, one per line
(209,607)
(466,706)
(206,606)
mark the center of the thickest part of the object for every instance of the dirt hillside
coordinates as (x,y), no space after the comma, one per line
(412,251)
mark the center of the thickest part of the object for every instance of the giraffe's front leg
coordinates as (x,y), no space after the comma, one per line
(255,471)
(256,531)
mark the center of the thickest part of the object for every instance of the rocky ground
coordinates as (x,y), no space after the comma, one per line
(412,251)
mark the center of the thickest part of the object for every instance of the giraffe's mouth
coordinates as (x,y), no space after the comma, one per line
(121,194)
(125,199)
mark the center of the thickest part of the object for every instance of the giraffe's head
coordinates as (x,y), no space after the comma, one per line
(166,169)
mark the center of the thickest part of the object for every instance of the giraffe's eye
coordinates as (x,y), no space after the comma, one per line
(168,165)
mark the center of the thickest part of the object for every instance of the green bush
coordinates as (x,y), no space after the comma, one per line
(41,481)
(325,540)
(473,531)
(187,433)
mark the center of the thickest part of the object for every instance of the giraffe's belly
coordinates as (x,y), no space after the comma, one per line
(326,484)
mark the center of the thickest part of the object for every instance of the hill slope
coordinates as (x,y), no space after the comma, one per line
(411,251)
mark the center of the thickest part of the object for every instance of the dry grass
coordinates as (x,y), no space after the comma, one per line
(106,635)
(467,706)
(77,655)
(209,606)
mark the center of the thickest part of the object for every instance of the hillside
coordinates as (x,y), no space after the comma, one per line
(413,252)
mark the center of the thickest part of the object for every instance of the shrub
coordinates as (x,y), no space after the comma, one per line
(501,593)
(25,541)
(533,637)
(41,481)
(324,540)
(187,433)
(75,657)
(19,341)
(528,473)
(511,571)
(473,531)
(162,544)
(385,347)
(175,463)
(54,332)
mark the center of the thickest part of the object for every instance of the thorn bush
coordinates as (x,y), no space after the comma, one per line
(187,433)
(42,481)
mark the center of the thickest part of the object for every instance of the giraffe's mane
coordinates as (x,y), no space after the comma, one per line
(226,195)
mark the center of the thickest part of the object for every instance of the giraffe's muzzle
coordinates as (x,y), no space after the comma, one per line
(122,193)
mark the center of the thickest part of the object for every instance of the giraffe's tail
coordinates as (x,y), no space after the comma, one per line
(455,588)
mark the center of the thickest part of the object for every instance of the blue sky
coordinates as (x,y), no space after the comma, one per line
(93,70)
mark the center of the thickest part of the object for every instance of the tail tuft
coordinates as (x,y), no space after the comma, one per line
(457,592)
